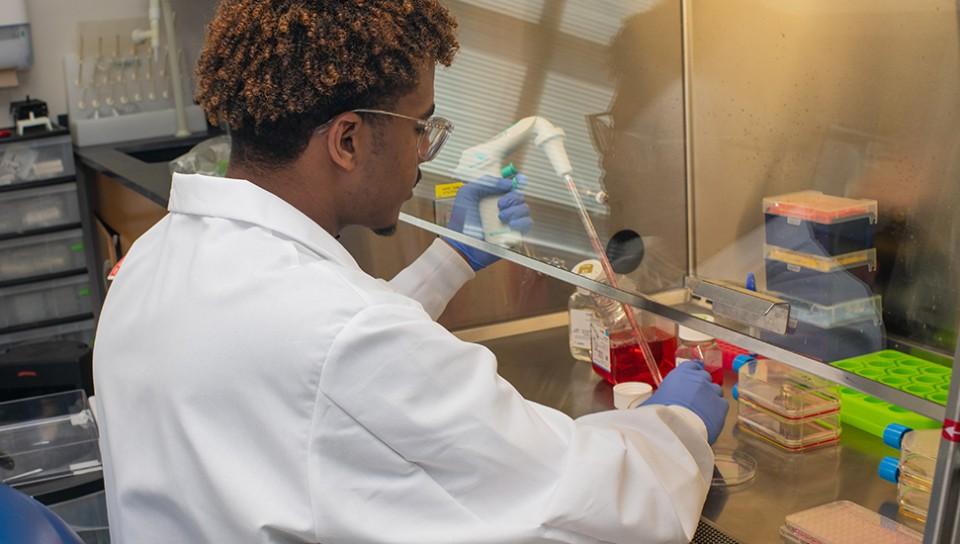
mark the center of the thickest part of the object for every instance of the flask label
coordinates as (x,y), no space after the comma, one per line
(581,325)
(600,346)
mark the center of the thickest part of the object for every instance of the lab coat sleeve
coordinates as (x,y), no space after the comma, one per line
(621,476)
(434,277)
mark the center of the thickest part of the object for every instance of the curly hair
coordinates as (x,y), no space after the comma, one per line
(274,70)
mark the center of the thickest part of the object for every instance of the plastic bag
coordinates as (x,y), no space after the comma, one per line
(17,163)
(210,157)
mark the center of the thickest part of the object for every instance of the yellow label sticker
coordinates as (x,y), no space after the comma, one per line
(446,190)
(853,259)
(820,264)
(797,259)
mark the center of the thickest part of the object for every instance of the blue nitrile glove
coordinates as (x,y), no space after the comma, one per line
(689,386)
(465,217)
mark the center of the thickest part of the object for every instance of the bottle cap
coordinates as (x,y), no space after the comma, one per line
(628,395)
(590,269)
(690,335)
(893,435)
(889,469)
(741,360)
(508,171)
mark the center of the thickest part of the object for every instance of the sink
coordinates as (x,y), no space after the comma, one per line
(166,154)
(161,151)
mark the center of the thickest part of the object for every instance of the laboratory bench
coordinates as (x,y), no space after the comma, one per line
(539,365)
(124,188)
(142,165)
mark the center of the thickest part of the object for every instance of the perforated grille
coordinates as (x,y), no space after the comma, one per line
(707,533)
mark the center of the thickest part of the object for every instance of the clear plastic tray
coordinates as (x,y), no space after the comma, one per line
(822,263)
(45,300)
(81,331)
(845,522)
(835,315)
(47,437)
(87,516)
(36,159)
(39,208)
(820,208)
(790,434)
(785,391)
(42,254)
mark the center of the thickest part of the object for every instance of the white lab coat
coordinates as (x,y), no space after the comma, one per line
(254,385)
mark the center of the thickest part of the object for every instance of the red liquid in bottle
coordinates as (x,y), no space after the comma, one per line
(602,372)
(716,375)
(627,362)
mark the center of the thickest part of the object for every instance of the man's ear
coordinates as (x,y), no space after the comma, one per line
(343,141)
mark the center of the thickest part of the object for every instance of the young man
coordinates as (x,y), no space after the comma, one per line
(255,385)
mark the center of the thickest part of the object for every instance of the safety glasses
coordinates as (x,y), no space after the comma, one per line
(434,132)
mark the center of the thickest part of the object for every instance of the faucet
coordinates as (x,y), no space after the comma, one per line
(153,34)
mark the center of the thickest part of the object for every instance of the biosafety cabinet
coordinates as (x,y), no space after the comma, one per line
(781,175)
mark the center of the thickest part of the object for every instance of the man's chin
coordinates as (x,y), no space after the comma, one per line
(386,231)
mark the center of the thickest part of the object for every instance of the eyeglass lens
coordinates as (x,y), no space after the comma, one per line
(432,140)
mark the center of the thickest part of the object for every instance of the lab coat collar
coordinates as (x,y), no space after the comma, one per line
(240,200)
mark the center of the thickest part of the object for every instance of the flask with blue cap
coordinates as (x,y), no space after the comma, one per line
(889,468)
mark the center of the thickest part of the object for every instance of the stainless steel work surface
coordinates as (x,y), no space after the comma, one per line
(540,367)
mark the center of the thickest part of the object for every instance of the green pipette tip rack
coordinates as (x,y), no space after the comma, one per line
(898,370)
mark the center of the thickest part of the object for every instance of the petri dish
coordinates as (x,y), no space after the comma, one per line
(733,468)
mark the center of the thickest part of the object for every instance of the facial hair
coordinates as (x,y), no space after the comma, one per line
(392,229)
